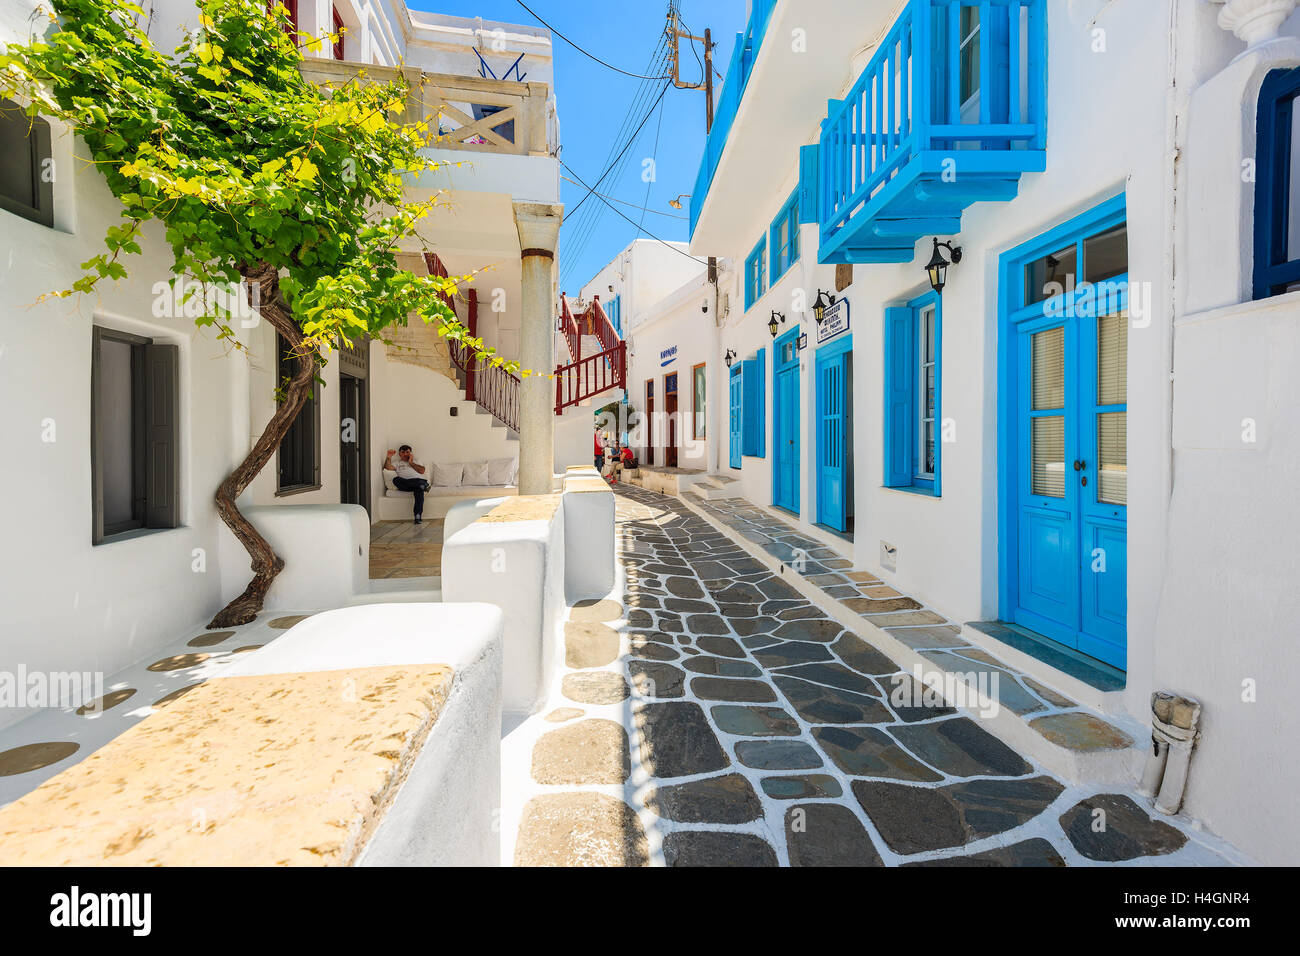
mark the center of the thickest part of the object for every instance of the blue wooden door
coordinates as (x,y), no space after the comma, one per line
(785,415)
(832,429)
(1103,505)
(1048,508)
(733,433)
(1072,410)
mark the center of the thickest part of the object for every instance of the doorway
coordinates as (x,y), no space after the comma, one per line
(835,436)
(650,422)
(670,415)
(354,425)
(1064,436)
(785,422)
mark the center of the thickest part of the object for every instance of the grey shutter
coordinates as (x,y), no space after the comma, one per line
(162,436)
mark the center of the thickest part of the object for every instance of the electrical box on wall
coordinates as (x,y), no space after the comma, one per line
(454,411)
(888,557)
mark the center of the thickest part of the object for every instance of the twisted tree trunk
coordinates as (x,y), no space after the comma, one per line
(266,564)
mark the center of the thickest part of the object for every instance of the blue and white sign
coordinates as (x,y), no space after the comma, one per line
(667,357)
(835,321)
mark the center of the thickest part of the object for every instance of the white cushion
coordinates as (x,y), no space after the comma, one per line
(501,471)
(476,474)
(448,476)
(388,479)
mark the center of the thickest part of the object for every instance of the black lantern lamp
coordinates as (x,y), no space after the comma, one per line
(824,301)
(731,357)
(938,267)
(772,325)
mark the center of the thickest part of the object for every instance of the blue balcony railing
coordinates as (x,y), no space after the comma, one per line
(951,109)
(733,90)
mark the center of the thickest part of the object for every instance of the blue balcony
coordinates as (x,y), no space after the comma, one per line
(733,90)
(950,111)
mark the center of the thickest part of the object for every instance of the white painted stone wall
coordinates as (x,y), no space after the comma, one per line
(518,566)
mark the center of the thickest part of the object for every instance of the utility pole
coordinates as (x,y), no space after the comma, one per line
(675,36)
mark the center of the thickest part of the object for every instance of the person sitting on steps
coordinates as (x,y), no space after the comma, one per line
(410,477)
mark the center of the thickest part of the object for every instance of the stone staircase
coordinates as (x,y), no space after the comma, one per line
(717,486)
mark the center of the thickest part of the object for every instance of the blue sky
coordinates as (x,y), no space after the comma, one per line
(594,103)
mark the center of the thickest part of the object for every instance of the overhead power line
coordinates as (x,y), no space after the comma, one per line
(630,205)
(635,76)
(630,141)
(650,234)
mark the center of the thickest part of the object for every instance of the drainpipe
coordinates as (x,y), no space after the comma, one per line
(1174,723)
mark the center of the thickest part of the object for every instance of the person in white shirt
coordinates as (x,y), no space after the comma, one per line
(410,476)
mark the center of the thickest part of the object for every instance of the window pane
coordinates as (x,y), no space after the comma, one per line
(17,175)
(1049,369)
(929,392)
(1051,275)
(114,411)
(700,403)
(1106,255)
(1048,439)
(1293,201)
(970,52)
(1112,359)
(1112,452)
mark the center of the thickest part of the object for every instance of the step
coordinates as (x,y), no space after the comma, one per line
(1042,723)
(1090,682)
(715,487)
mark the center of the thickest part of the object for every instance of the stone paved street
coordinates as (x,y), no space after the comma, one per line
(715,716)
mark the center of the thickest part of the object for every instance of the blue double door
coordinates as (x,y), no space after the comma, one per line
(785,422)
(1071,478)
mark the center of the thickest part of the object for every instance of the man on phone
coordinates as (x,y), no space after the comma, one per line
(410,476)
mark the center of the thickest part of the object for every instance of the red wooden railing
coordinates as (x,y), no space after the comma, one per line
(590,376)
(569,326)
(601,326)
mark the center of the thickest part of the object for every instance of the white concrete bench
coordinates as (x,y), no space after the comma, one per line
(364,736)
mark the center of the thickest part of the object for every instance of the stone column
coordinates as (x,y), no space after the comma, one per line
(1255,22)
(539,233)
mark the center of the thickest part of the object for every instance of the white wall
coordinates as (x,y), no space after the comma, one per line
(72,605)
(679,323)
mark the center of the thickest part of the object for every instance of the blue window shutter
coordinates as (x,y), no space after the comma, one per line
(898,397)
(809,169)
(760,368)
(752,409)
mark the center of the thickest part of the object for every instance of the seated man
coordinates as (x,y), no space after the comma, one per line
(410,477)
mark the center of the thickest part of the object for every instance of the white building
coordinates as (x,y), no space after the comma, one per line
(660,299)
(1106,471)
(107,563)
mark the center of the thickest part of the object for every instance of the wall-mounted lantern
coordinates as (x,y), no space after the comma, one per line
(677,203)
(731,357)
(938,267)
(778,319)
(824,301)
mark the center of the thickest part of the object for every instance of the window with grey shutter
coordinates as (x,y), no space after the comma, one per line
(135,435)
(26,180)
